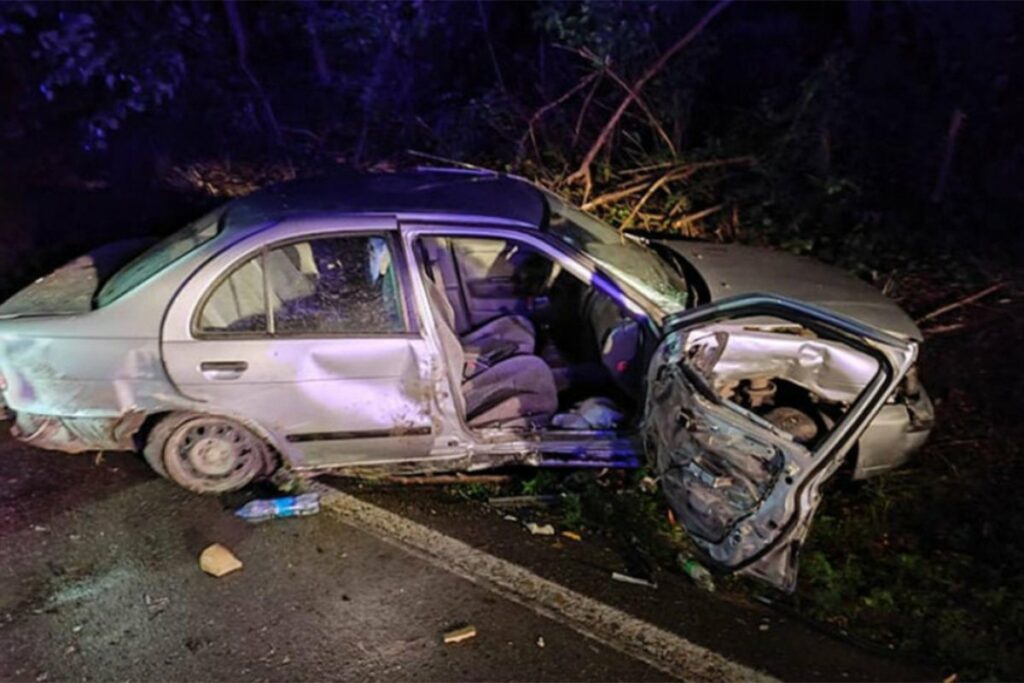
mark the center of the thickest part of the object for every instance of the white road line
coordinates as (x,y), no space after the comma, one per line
(639,639)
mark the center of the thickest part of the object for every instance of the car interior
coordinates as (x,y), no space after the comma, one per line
(537,347)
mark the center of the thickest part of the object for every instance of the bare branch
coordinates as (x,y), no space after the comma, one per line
(537,115)
(956,124)
(652,119)
(961,302)
(583,110)
(686,220)
(678,172)
(241,47)
(612,197)
(675,174)
(582,174)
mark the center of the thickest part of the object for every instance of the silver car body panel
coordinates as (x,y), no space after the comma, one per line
(332,399)
(89,379)
(734,269)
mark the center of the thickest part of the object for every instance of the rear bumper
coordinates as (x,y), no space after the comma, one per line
(77,434)
(897,431)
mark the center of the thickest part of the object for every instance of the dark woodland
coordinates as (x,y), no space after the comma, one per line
(881,137)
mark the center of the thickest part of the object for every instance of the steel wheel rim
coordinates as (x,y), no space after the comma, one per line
(213,454)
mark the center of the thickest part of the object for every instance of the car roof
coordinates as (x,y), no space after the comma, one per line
(425,192)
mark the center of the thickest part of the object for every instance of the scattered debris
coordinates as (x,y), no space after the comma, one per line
(540,529)
(625,578)
(763,627)
(460,634)
(40,528)
(540,641)
(510,518)
(436,479)
(156,605)
(290,506)
(572,535)
(594,413)
(217,560)
(505,502)
(697,572)
(951,678)
(649,484)
(287,480)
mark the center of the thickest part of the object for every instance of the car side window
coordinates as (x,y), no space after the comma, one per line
(326,285)
(238,304)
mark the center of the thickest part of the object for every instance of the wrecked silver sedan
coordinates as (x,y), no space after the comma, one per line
(456,320)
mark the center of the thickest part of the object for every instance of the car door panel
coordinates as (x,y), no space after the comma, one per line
(338,400)
(337,397)
(744,488)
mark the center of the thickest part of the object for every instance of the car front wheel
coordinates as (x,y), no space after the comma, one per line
(207,454)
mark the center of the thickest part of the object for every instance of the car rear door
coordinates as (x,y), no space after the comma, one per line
(743,487)
(308,331)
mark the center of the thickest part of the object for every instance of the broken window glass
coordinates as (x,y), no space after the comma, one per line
(335,285)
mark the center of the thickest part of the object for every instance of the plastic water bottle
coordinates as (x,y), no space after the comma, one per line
(290,506)
(697,572)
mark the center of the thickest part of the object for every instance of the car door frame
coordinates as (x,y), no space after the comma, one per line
(895,356)
(413,442)
(495,446)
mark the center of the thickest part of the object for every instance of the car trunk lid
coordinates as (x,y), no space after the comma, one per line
(70,289)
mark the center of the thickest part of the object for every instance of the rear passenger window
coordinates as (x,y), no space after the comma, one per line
(238,304)
(330,285)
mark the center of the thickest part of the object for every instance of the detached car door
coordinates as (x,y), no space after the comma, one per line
(742,476)
(310,336)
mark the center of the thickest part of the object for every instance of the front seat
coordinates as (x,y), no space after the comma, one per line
(507,331)
(517,391)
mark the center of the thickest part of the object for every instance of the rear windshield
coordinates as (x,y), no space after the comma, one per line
(159,256)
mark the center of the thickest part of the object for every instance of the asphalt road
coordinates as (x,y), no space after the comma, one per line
(99,580)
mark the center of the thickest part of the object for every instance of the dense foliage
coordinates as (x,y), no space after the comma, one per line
(823,127)
(882,136)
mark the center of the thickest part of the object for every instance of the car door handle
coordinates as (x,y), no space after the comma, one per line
(223,369)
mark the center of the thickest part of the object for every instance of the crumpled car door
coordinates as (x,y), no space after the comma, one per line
(743,487)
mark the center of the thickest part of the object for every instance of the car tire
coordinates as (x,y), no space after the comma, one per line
(207,453)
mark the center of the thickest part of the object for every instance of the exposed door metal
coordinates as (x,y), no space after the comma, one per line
(744,489)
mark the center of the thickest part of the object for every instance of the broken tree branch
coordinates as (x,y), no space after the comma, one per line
(537,115)
(583,110)
(956,124)
(651,118)
(241,47)
(611,197)
(447,479)
(676,174)
(961,302)
(637,186)
(690,218)
(582,174)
